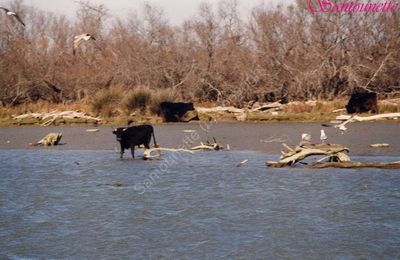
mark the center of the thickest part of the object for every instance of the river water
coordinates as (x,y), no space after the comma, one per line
(80,201)
(88,204)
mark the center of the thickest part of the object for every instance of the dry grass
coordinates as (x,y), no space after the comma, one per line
(388,107)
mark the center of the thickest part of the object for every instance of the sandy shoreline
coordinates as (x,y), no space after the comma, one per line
(239,136)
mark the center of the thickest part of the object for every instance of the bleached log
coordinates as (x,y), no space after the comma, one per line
(378,145)
(92,130)
(147,152)
(356,118)
(28,115)
(267,106)
(219,109)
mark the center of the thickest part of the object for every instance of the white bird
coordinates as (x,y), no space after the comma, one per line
(306,137)
(79,38)
(323,137)
(10,13)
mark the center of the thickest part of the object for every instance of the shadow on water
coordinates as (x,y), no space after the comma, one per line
(90,204)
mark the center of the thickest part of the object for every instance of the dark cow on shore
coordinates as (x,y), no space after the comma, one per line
(174,111)
(362,102)
(129,137)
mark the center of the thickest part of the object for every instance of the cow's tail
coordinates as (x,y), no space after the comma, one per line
(155,144)
(154,139)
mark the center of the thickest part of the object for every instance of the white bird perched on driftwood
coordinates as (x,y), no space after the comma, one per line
(12,14)
(306,137)
(323,136)
(82,37)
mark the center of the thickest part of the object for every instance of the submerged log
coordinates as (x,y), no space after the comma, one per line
(355,165)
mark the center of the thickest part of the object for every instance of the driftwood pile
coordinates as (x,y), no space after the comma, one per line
(240,113)
(332,152)
(51,117)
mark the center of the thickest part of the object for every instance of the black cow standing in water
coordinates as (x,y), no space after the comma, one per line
(128,137)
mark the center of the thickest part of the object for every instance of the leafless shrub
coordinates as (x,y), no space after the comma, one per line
(107,100)
(139,98)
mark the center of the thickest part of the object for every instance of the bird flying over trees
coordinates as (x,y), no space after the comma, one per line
(79,38)
(13,14)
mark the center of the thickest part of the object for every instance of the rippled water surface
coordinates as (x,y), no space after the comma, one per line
(90,204)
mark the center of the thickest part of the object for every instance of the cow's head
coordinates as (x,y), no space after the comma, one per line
(118,132)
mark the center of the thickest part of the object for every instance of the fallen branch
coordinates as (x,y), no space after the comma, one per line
(274,105)
(147,152)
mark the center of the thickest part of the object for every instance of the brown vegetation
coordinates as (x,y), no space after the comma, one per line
(215,56)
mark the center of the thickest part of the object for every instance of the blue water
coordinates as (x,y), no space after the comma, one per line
(91,205)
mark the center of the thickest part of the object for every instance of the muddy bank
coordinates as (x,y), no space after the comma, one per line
(240,136)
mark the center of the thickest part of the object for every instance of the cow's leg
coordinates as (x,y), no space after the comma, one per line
(133,151)
(122,152)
